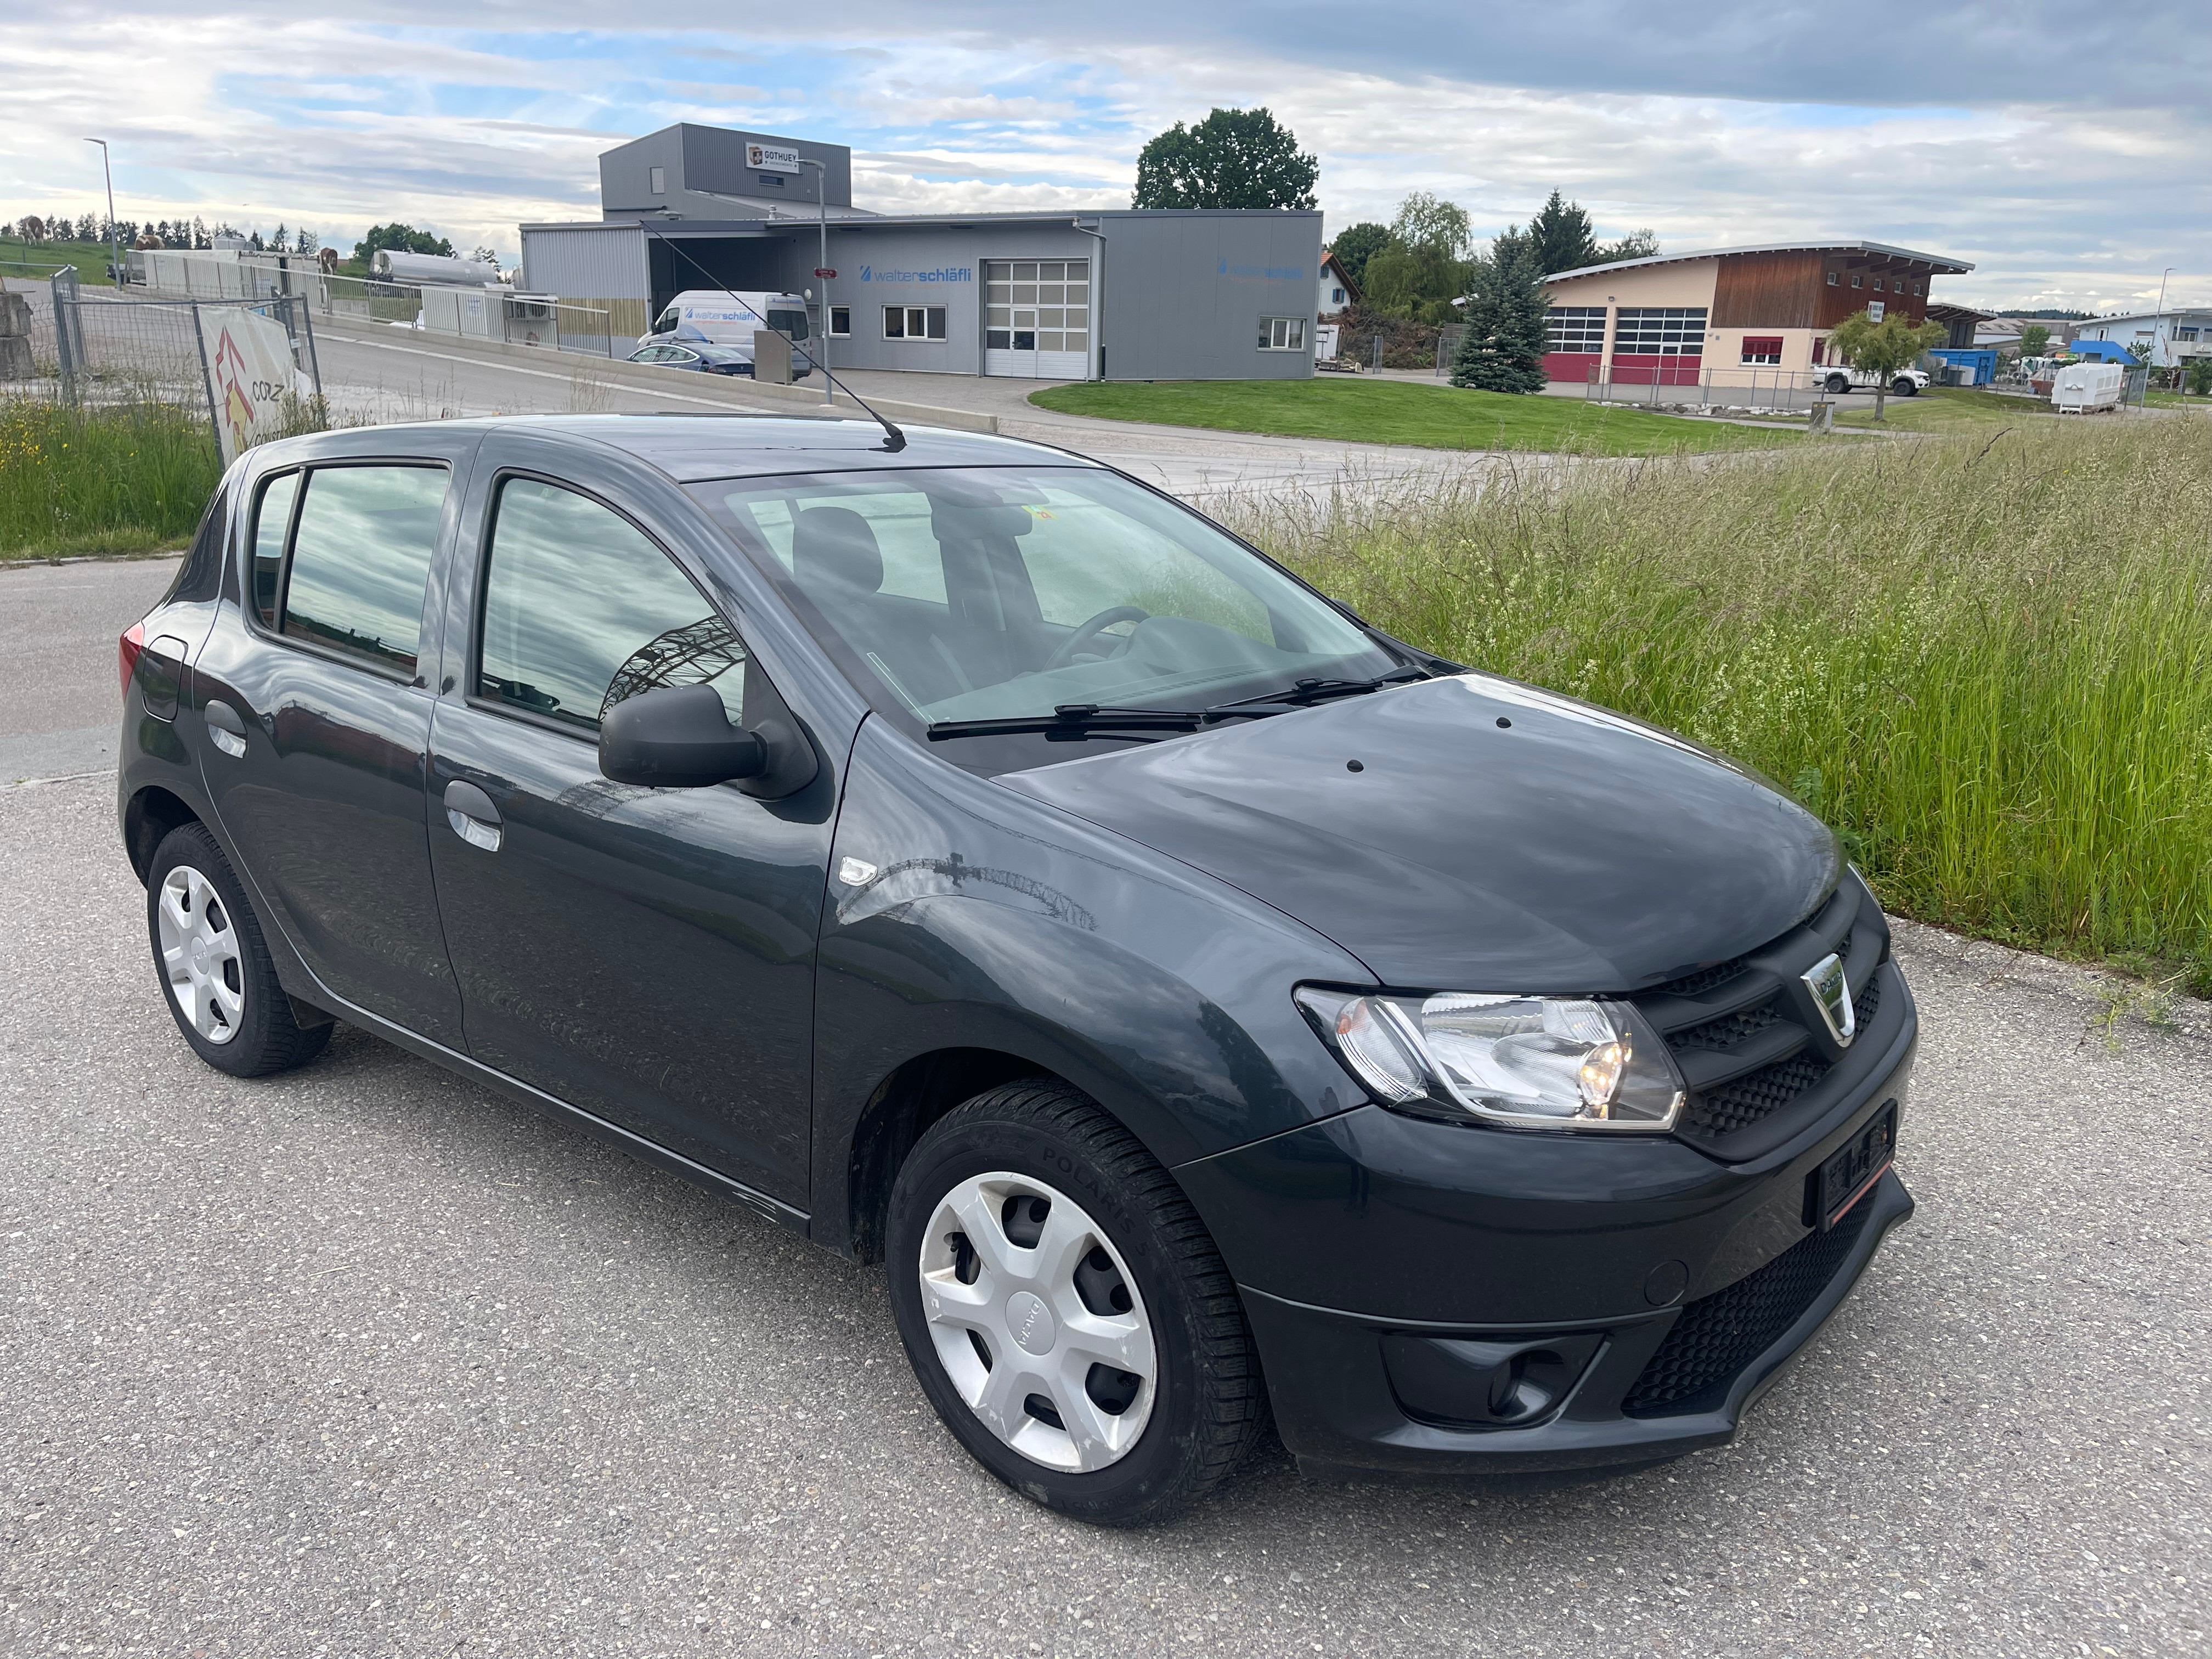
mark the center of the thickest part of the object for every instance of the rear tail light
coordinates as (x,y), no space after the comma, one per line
(127,649)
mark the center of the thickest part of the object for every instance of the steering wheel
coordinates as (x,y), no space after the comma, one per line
(1091,630)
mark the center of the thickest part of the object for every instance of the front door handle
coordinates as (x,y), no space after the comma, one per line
(224,728)
(473,816)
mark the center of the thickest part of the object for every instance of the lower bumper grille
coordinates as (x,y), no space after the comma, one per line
(1717,1335)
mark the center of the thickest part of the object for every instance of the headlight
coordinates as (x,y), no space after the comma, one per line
(1529,1062)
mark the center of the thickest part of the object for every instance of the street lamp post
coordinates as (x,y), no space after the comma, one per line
(821,268)
(2158,322)
(114,252)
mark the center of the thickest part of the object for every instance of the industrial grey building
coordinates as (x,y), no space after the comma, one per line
(1116,294)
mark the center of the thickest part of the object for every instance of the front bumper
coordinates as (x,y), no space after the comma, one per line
(1433,1300)
(1344,1410)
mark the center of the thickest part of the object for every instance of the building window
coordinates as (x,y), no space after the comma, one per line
(1877,285)
(1578,329)
(1820,350)
(1855,280)
(914,322)
(774,181)
(1036,305)
(658,180)
(1282,334)
(840,321)
(1919,285)
(1660,332)
(2185,334)
(1835,279)
(1336,297)
(1762,348)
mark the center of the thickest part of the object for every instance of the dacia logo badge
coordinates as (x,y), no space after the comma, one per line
(1831,995)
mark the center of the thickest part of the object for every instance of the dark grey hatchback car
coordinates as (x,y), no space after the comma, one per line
(1206,1004)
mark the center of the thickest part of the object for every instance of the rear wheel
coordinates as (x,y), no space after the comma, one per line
(1067,1312)
(215,971)
(1838,385)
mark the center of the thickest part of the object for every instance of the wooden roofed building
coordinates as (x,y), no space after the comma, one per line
(1738,314)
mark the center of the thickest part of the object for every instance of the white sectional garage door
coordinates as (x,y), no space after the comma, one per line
(1037,319)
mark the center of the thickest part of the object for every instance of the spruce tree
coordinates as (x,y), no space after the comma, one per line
(1561,232)
(1505,316)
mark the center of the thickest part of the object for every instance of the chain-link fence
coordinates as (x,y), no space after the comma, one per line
(247,368)
(479,314)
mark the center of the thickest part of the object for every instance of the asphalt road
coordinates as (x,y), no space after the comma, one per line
(362,1361)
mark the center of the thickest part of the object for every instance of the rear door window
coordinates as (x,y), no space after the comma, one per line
(361,560)
(580,610)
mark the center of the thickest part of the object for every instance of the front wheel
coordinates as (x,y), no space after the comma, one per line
(1066,1310)
(1905,388)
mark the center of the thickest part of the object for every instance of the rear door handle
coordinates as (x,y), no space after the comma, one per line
(225,729)
(474,819)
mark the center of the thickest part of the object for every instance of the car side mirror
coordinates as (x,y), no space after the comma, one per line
(677,737)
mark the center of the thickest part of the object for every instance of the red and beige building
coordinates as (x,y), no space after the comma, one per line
(1736,314)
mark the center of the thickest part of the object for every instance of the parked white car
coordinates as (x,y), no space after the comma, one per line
(1837,379)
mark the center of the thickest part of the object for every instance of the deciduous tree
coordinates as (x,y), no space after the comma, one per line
(400,238)
(1882,349)
(1235,158)
(1356,245)
(1423,267)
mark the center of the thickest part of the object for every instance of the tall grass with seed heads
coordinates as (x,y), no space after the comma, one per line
(1987,663)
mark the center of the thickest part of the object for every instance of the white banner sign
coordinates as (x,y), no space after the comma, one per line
(772,158)
(250,360)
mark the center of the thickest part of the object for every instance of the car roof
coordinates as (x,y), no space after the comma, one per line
(693,448)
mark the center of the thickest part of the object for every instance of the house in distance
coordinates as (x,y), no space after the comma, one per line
(1738,314)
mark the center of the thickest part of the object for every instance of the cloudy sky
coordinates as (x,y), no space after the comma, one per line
(2067,151)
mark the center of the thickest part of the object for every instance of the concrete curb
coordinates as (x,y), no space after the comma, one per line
(648,377)
(2096,989)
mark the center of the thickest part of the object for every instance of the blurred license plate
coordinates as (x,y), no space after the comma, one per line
(1850,1176)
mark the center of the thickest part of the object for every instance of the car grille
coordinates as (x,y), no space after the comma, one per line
(1717,1336)
(1741,1030)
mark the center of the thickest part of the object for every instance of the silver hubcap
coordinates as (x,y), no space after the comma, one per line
(199,954)
(1037,1321)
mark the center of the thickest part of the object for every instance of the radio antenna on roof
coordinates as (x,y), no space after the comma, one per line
(893,439)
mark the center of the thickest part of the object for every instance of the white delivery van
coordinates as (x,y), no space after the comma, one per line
(730,319)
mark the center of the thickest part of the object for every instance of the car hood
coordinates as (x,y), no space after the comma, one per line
(1493,837)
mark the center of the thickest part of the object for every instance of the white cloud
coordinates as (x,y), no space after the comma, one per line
(391,114)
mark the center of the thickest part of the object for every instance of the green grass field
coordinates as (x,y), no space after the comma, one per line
(1397,412)
(1988,665)
(90,259)
(1950,408)
(128,480)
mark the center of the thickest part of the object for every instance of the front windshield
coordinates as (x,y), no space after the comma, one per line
(984,594)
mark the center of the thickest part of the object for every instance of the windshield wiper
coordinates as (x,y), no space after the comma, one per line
(1075,720)
(1307,692)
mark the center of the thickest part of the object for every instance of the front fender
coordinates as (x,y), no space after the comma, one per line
(983,919)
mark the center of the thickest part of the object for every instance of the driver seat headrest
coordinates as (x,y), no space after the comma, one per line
(835,548)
